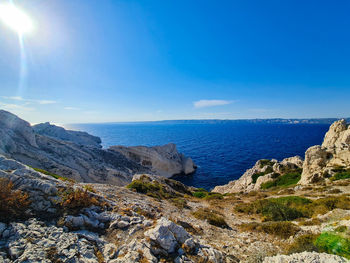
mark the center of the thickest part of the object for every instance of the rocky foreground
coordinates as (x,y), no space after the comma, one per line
(270,215)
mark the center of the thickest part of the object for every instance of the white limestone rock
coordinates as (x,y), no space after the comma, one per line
(306,257)
(162,160)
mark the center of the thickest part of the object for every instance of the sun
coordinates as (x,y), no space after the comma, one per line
(16,19)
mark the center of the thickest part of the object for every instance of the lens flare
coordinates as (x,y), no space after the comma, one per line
(16,19)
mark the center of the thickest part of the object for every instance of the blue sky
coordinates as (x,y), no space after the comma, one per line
(99,61)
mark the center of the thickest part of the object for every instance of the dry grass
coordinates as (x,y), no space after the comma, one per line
(280,229)
(13,203)
(211,216)
(73,200)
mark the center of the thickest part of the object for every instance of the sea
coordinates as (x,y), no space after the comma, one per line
(222,151)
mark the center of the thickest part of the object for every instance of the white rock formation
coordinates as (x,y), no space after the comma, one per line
(77,137)
(334,152)
(79,156)
(162,160)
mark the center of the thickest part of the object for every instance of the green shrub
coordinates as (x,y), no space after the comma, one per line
(283,181)
(153,189)
(200,194)
(280,229)
(333,244)
(73,200)
(211,216)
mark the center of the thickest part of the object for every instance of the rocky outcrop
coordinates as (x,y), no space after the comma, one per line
(162,160)
(263,171)
(77,137)
(79,156)
(53,231)
(334,154)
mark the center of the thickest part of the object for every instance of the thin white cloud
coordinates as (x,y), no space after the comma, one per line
(211,103)
(71,108)
(29,101)
(10,107)
(46,102)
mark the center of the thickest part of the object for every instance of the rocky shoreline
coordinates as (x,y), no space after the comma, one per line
(65,199)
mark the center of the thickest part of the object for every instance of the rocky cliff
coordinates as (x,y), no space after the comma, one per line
(157,159)
(323,161)
(79,156)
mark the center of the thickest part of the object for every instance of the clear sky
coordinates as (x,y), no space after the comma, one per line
(98,61)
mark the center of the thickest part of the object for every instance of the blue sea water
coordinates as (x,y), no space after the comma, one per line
(222,151)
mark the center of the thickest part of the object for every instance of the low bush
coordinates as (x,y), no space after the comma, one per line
(73,200)
(275,209)
(333,244)
(303,243)
(153,189)
(203,194)
(293,207)
(280,229)
(265,162)
(211,216)
(283,180)
(89,188)
(13,203)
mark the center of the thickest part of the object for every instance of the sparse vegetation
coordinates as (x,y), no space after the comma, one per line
(345,174)
(280,229)
(89,188)
(203,194)
(211,216)
(303,243)
(293,207)
(265,162)
(13,203)
(73,200)
(283,180)
(153,189)
(62,178)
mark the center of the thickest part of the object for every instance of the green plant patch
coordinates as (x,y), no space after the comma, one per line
(303,243)
(283,181)
(62,178)
(153,189)
(341,175)
(333,244)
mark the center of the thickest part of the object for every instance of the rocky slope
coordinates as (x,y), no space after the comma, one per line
(321,162)
(79,156)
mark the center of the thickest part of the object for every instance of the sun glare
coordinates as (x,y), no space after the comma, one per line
(16,19)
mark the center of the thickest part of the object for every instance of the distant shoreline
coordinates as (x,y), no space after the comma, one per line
(228,121)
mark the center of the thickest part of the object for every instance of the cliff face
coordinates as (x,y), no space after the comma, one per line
(334,153)
(78,155)
(163,160)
